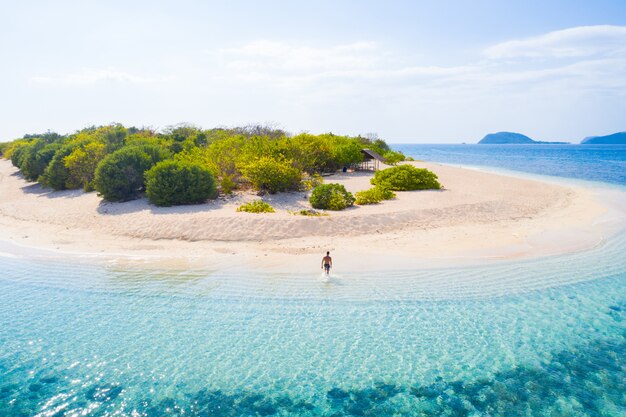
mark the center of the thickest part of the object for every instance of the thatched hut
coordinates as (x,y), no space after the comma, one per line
(371,161)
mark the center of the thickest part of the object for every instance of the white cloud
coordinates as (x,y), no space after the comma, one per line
(369,68)
(89,76)
(285,57)
(576,42)
(290,65)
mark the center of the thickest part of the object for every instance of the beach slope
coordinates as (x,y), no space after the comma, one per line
(477,217)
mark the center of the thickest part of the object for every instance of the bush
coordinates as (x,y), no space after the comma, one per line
(346,153)
(312,181)
(406,178)
(272,175)
(175,182)
(33,157)
(392,158)
(31,166)
(120,175)
(4,146)
(256,206)
(227,184)
(56,174)
(155,152)
(81,165)
(17,152)
(309,212)
(331,197)
(374,195)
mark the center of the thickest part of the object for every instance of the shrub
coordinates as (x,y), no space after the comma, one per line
(406,178)
(81,165)
(120,175)
(31,166)
(346,152)
(56,174)
(331,197)
(17,152)
(312,181)
(271,175)
(227,184)
(155,152)
(256,206)
(33,157)
(310,213)
(374,195)
(175,182)
(392,158)
(4,146)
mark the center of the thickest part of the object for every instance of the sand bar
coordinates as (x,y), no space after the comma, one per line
(478,217)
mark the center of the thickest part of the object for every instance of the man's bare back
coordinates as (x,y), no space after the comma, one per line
(327,263)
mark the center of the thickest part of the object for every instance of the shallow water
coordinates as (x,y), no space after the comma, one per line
(542,337)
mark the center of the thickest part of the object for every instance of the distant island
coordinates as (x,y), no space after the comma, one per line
(512,138)
(614,139)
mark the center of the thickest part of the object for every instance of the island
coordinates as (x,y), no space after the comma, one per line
(512,138)
(618,138)
(247,198)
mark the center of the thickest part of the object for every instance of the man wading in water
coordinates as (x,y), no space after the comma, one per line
(327,263)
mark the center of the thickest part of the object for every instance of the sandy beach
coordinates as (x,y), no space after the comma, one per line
(478,217)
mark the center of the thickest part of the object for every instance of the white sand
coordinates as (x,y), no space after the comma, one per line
(479,216)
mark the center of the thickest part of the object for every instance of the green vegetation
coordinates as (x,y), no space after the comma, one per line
(256,206)
(311,181)
(271,175)
(81,165)
(310,213)
(120,175)
(380,146)
(176,182)
(406,178)
(113,159)
(3,147)
(331,197)
(374,195)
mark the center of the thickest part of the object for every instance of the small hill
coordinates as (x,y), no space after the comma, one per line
(505,138)
(512,138)
(614,139)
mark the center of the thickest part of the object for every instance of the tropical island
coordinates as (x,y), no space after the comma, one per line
(512,138)
(260,197)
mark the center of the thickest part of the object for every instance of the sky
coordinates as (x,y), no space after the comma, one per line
(410,71)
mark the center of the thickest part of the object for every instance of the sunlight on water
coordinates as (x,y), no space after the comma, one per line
(543,337)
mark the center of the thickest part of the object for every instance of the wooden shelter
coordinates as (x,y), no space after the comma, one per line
(371,161)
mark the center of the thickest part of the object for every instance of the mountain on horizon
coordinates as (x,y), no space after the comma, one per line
(618,138)
(511,138)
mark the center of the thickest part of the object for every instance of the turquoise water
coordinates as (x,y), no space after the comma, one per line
(546,337)
(543,337)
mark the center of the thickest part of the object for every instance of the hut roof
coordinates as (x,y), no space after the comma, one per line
(370,154)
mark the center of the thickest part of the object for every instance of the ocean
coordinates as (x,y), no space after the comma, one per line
(541,337)
(598,163)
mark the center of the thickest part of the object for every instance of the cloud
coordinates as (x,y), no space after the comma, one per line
(576,42)
(90,76)
(266,55)
(290,65)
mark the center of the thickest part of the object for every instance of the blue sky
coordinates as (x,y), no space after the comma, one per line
(411,71)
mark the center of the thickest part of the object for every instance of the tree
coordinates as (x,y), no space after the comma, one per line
(81,165)
(331,197)
(406,178)
(120,175)
(176,182)
(272,175)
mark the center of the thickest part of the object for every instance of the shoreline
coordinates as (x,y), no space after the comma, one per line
(479,218)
